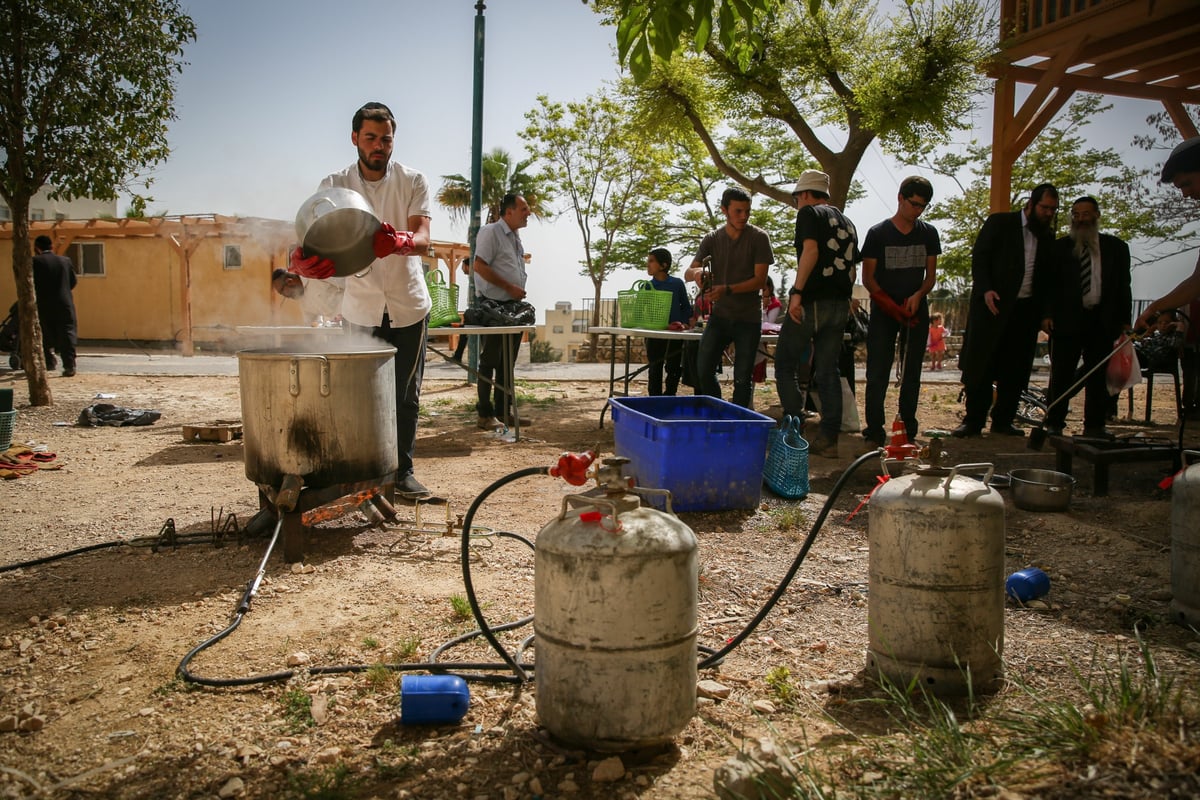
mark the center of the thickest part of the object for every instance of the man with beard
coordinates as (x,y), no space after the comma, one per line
(1088,309)
(389,299)
(1182,169)
(1009,270)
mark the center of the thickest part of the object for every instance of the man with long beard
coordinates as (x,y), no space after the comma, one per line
(1009,268)
(1088,309)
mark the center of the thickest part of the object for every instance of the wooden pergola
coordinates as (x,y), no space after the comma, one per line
(1143,49)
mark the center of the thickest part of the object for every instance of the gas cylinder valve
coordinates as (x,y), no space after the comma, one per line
(573,467)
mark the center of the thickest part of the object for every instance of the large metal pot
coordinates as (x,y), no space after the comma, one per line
(338,224)
(1041,489)
(329,418)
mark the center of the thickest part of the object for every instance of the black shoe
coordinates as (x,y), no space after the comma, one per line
(1007,430)
(409,488)
(1053,430)
(823,446)
(965,431)
(1098,433)
(68,373)
(51,364)
(873,440)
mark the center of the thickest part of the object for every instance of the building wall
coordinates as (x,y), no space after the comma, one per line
(41,207)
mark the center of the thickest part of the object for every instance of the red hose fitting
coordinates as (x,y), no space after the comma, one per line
(573,467)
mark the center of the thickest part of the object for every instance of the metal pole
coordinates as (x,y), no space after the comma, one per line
(476,174)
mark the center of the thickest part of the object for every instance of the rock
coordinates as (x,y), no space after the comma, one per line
(320,709)
(232,788)
(535,787)
(33,724)
(763,707)
(712,689)
(609,770)
(760,771)
(8,723)
(568,786)
(329,755)
(1160,595)
(298,659)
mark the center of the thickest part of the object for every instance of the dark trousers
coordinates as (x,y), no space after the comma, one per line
(718,334)
(883,334)
(409,342)
(663,354)
(1010,365)
(1090,341)
(58,335)
(493,380)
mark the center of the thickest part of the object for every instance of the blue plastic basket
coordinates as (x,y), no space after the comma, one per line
(707,452)
(7,420)
(786,470)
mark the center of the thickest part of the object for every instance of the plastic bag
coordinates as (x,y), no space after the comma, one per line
(1123,371)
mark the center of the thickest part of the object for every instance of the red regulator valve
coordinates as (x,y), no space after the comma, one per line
(573,467)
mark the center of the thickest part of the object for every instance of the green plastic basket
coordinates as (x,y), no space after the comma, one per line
(445,300)
(644,307)
(7,420)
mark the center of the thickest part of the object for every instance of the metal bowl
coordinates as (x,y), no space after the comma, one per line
(1041,489)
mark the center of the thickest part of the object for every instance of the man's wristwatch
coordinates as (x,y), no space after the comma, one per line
(728,290)
(794,292)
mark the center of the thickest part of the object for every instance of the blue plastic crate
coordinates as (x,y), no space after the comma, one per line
(708,453)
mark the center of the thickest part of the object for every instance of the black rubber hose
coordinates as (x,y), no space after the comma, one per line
(717,657)
(484,630)
(57,556)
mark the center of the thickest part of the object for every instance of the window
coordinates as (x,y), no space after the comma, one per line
(37,213)
(558,328)
(5,214)
(233,256)
(88,257)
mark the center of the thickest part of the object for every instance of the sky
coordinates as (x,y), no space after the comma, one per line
(265,101)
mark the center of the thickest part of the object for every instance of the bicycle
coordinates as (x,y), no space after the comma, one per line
(1031,406)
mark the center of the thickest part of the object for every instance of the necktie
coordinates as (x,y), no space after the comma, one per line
(1085,272)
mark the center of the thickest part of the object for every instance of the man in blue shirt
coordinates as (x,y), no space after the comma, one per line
(499,272)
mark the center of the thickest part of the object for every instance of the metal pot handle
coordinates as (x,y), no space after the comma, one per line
(991,470)
(294,374)
(313,209)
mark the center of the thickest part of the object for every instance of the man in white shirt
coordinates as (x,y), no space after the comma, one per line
(499,273)
(389,299)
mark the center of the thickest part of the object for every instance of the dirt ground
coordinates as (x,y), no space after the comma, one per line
(89,644)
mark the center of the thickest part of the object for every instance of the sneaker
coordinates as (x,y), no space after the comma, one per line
(410,488)
(489,424)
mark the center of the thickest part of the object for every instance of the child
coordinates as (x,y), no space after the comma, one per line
(937,341)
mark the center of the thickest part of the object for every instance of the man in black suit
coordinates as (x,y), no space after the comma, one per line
(53,280)
(1088,309)
(1009,271)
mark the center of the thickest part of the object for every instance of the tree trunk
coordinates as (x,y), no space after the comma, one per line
(33,360)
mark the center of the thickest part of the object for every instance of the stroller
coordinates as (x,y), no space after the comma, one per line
(10,337)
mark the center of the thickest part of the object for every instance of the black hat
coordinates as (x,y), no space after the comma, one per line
(1184,158)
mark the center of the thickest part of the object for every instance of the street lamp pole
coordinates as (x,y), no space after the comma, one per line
(476,172)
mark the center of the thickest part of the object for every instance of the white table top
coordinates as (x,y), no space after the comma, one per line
(481,330)
(648,334)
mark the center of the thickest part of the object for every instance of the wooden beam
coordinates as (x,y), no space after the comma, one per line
(1002,110)
(1103,85)
(1183,121)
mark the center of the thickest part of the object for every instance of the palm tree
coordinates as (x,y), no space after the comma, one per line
(499,177)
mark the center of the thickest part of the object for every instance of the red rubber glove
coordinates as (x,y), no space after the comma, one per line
(887,305)
(677,326)
(310,266)
(388,240)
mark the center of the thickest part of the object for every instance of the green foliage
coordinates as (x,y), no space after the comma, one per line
(408,647)
(605,169)
(541,352)
(335,782)
(297,709)
(779,680)
(907,78)
(1130,201)
(461,607)
(87,89)
(380,678)
(498,176)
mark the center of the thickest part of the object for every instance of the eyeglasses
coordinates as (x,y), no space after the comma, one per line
(917,204)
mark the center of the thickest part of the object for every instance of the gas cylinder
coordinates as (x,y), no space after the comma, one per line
(615,619)
(1185,545)
(936,580)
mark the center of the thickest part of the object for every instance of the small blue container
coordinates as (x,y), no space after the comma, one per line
(1027,584)
(433,699)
